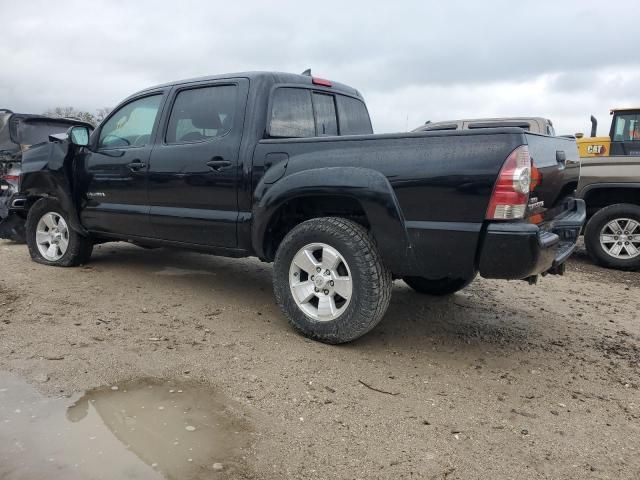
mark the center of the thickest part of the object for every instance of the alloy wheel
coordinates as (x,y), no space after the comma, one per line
(620,238)
(320,281)
(52,236)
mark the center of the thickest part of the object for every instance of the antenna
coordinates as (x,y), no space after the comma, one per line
(307,72)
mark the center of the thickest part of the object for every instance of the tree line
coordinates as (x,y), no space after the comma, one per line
(70,112)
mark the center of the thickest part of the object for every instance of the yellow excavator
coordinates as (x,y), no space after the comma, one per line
(623,139)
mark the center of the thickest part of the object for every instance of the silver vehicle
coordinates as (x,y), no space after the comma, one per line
(530,124)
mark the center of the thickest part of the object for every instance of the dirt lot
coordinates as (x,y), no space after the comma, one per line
(502,380)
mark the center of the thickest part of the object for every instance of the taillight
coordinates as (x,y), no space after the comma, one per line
(511,192)
(13,180)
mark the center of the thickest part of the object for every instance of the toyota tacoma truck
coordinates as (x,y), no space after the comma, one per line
(285,167)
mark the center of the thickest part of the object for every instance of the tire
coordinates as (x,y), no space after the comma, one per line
(440,287)
(600,228)
(19,234)
(13,229)
(347,251)
(41,215)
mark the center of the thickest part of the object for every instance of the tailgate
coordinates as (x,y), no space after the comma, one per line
(558,164)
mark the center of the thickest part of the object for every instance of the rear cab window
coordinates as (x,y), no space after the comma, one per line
(303,113)
(32,132)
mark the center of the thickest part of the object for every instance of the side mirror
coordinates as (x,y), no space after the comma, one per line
(79,136)
(579,135)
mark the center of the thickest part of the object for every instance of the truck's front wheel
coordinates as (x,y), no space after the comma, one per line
(330,281)
(50,239)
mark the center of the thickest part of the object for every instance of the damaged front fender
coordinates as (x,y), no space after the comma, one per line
(52,170)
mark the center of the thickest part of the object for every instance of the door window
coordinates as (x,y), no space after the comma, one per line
(325,108)
(200,114)
(131,125)
(292,114)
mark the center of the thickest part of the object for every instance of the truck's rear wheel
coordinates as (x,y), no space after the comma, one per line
(50,239)
(330,281)
(612,237)
(442,286)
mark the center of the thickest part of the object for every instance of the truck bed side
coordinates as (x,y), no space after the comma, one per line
(440,182)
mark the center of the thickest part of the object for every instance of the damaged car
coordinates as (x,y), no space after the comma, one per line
(18,132)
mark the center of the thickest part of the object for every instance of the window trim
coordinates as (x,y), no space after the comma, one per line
(313,88)
(172,101)
(98,131)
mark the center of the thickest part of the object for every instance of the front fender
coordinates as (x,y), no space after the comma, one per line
(47,171)
(370,188)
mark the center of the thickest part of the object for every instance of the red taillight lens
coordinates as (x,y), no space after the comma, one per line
(11,178)
(511,192)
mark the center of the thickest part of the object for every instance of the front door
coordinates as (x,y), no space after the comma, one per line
(194,167)
(117,169)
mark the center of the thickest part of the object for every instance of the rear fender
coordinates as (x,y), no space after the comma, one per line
(371,189)
(48,171)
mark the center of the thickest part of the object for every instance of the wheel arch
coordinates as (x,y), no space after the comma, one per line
(360,194)
(598,196)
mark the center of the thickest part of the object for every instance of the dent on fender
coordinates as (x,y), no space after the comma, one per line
(49,170)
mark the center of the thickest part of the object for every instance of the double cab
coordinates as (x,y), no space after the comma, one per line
(286,168)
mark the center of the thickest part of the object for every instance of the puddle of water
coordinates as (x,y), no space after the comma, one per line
(138,430)
(175,272)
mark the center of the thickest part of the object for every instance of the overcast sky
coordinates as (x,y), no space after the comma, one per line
(412,60)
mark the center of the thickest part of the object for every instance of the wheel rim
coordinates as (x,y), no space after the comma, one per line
(620,238)
(320,282)
(52,236)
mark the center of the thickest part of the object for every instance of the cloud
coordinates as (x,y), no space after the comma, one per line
(413,60)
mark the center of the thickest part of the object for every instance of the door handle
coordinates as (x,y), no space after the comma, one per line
(136,165)
(218,164)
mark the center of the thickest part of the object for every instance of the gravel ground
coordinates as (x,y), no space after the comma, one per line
(502,380)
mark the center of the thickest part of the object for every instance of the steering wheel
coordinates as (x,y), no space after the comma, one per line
(126,142)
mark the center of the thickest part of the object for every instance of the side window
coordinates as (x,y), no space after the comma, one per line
(353,116)
(292,114)
(325,108)
(200,114)
(131,125)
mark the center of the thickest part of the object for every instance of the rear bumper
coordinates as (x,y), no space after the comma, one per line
(523,250)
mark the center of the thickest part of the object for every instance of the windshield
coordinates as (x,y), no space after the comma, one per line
(627,127)
(31,132)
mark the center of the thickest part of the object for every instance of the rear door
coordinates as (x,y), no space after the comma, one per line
(117,169)
(194,168)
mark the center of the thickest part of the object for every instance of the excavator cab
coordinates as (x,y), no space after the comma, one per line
(623,139)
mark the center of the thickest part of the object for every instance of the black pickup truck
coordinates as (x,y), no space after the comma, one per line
(286,168)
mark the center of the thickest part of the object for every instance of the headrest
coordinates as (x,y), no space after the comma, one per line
(205,118)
